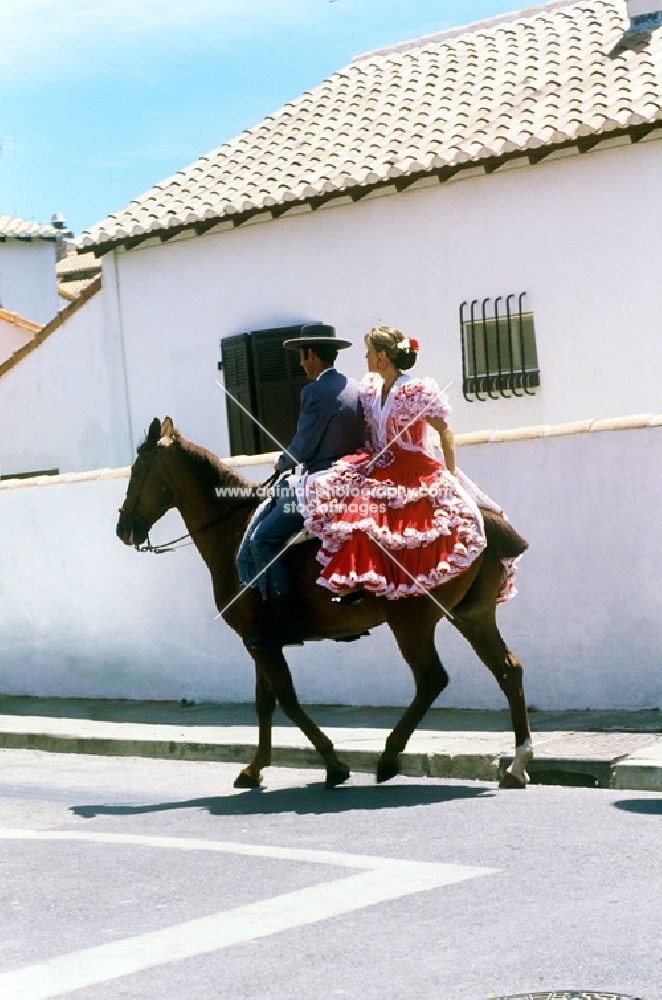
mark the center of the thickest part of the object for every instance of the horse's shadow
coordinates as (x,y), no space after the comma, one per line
(312,799)
(650,807)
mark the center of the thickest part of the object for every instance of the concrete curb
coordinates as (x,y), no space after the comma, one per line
(470,767)
(641,770)
(598,760)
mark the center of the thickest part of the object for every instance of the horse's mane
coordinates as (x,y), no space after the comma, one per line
(208,467)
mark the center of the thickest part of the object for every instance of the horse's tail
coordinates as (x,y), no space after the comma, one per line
(502,538)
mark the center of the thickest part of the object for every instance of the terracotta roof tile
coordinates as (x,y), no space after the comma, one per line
(20,229)
(519,83)
(75,266)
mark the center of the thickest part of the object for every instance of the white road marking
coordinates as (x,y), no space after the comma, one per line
(379,880)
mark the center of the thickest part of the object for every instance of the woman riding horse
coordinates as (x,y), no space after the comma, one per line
(397,520)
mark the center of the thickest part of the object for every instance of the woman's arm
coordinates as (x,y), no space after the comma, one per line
(447,441)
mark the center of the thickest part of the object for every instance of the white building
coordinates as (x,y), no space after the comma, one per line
(28,284)
(509,166)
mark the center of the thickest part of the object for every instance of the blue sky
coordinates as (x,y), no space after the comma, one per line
(101,99)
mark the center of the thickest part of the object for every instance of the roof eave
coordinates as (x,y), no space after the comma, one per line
(490,162)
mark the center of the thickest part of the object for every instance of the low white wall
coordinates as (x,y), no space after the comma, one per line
(85,616)
(12,336)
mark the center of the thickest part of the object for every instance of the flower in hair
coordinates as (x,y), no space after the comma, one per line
(409,344)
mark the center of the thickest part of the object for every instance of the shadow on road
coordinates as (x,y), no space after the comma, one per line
(652,807)
(311,799)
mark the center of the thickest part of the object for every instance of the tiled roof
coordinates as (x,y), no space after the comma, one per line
(20,229)
(75,266)
(74,273)
(70,290)
(520,84)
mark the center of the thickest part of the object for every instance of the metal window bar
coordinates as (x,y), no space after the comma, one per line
(497,323)
(525,373)
(510,347)
(499,356)
(486,348)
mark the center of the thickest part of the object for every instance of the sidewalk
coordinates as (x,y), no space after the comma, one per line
(592,748)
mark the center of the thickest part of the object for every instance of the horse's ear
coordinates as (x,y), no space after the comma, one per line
(167,427)
(169,433)
(154,432)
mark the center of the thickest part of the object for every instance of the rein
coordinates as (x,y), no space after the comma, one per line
(173,546)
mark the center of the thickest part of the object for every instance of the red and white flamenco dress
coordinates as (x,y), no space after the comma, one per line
(397,497)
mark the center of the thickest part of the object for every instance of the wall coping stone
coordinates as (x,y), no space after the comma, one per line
(640,421)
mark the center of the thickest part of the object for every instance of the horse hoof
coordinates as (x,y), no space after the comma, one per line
(245,779)
(387,770)
(336,776)
(511,780)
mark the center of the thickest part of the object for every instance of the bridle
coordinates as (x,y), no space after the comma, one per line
(172,545)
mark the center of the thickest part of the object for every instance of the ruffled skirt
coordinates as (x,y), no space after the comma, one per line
(398,528)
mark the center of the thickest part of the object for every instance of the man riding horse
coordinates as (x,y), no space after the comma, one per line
(330,425)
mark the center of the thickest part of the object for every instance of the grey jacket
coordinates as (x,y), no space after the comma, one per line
(330,423)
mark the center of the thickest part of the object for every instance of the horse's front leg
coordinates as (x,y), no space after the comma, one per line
(274,666)
(265,704)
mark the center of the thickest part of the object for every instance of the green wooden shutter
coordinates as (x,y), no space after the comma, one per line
(279,379)
(237,377)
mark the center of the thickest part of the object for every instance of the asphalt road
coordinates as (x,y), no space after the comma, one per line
(155,880)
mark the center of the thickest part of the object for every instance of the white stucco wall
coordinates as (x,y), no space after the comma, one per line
(11,338)
(63,406)
(582,235)
(85,616)
(28,283)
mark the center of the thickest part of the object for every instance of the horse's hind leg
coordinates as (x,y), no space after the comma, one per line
(273,664)
(415,639)
(265,704)
(484,636)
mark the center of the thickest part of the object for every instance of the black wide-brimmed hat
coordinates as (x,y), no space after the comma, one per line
(316,333)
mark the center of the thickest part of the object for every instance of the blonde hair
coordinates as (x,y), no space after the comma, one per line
(386,338)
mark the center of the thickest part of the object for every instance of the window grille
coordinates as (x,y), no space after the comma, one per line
(267,380)
(499,355)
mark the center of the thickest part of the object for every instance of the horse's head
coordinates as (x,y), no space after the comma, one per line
(148,496)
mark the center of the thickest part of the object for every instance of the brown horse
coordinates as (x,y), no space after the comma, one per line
(171,472)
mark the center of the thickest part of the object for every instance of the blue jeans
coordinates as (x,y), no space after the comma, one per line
(265,540)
